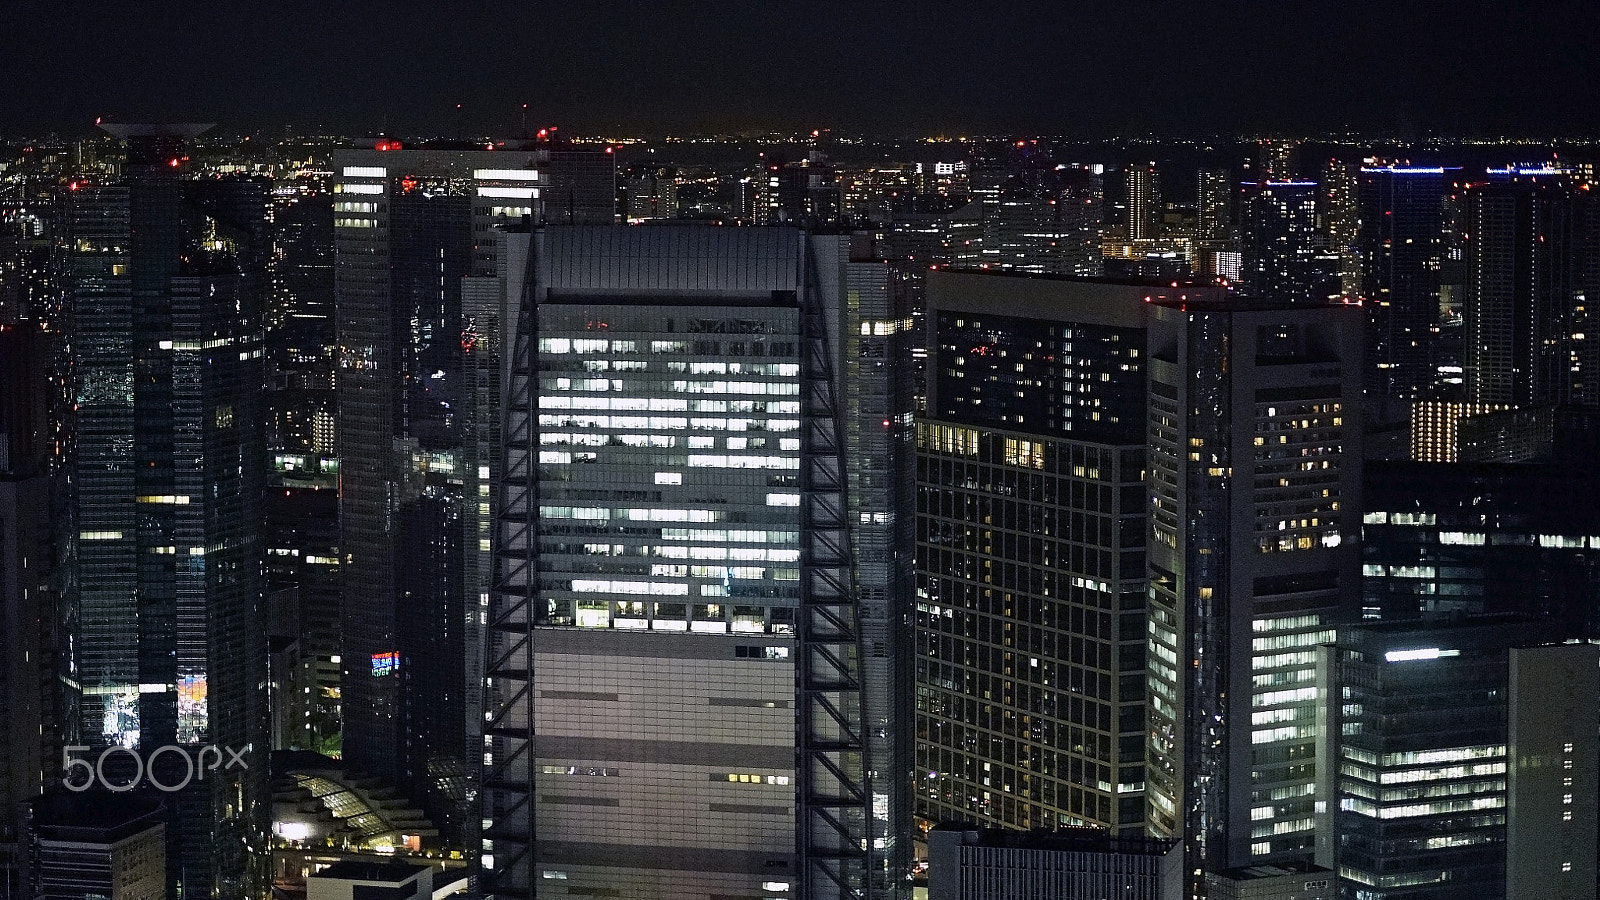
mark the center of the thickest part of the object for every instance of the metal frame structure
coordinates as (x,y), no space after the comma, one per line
(507,795)
(834,801)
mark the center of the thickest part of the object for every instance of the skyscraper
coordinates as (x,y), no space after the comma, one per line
(1528,244)
(1460,759)
(1216,206)
(695,638)
(166,279)
(1144,202)
(1402,210)
(1340,218)
(1286,255)
(33,716)
(418,306)
(1030,659)
(1254,483)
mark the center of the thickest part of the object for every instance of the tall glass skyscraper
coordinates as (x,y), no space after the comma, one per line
(417,381)
(1030,662)
(696,640)
(1402,219)
(165,278)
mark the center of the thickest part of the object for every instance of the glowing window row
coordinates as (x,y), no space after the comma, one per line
(641,404)
(668,423)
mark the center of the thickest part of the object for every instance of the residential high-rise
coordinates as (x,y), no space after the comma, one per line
(1340,218)
(1254,463)
(696,657)
(1030,660)
(1046,218)
(1286,255)
(166,281)
(1459,759)
(1278,159)
(418,309)
(1216,206)
(1143,202)
(1402,230)
(1529,252)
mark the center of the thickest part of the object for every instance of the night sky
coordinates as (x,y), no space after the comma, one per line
(886,66)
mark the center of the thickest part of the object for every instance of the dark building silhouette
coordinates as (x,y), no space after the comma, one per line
(1286,255)
(1402,232)
(1530,250)
(35,703)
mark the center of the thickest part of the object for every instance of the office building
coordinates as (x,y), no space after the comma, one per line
(1401,243)
(1254,462)
(936,231)
(966,863)
(804,192)
(652,193)
(1461,759)
(702,571)
(1481,538)
(303,585)
(99,844)
(418,296)
(166,282)
(1030,645)
(301,338)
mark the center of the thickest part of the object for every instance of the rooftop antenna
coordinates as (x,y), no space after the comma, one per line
(524,121)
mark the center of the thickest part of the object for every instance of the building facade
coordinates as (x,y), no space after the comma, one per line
(417,381)
(1254,486)
(1286,254)
(1529,247)
(695,637)
(1465,761)
(1401,240)
(1481,538)
(166,280)
(1030,659)
(970,864)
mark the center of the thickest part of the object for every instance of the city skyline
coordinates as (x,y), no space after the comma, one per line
(720,525)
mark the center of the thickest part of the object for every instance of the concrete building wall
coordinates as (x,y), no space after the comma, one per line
(1551,793)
